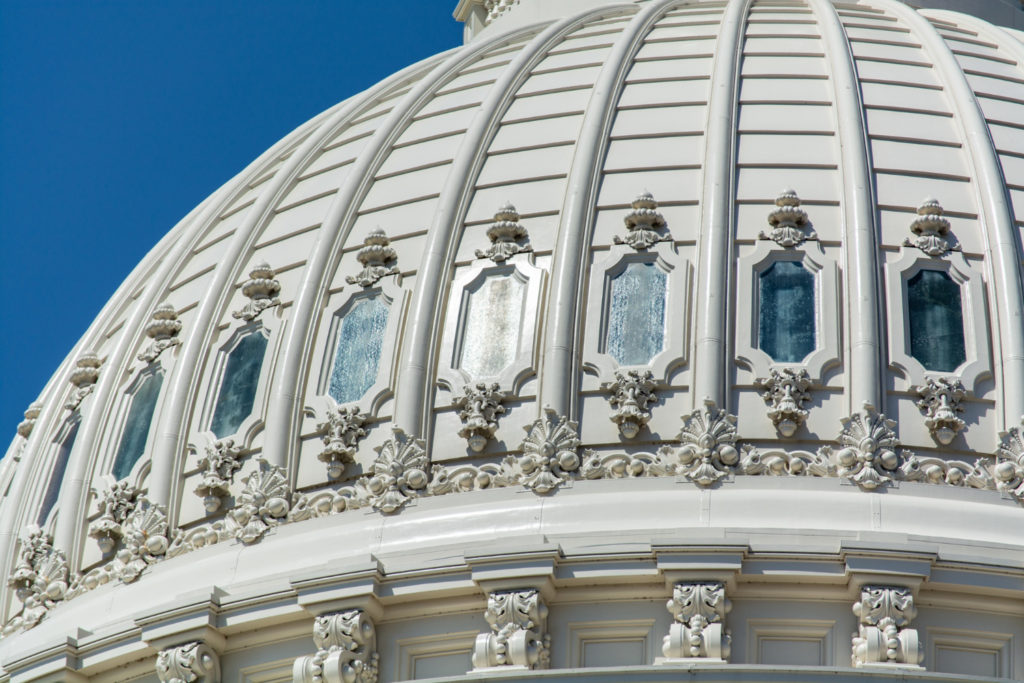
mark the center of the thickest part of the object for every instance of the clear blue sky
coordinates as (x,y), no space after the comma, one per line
(118,117)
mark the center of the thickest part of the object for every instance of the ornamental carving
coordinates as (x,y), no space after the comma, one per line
(508,236)
(163,329)
(399,473)
(868,449)
(83,377)
(518,637)
(630,395)
(699,611)
(779,463)
(788,222)
(931,230)
(144,541)
(340,432)
(940,402)
(39,579)
(31,415)
(194,662)
(222,460)
(115,504)
(645,226)
(479,408)
(495,8)
(786,390)
(262,289)
(549,456)
(1009,468)
(708,449)
(375,256)
(346,650)
(264,503)
(884,613)
(950,472)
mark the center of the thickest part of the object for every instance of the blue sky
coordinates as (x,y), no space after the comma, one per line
(117,117)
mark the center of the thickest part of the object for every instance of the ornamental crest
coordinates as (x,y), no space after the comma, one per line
(375,256)
(931,230)
(262,289)
(220,463)
(264,503)
(645,226)
(508,236)
(786,390)
(163,329)
(788,222)
(479,408)
(83,377)
(631,393)
(868,454)
(549,454)
(340,432)
(1009,469)
(708,451)
(115,504)
(399,473)
(940,402)
(39,579)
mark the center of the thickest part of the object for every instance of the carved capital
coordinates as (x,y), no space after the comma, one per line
(340,432)
(479,408)
(630,395)
(518,637)
(375,256)
(699,610)
(190,663)
(931,230)
(262,289)
(83,377)
(883,636)
(347,650)
(219,465)
(788,222)
(508,236)
(786,390)
(645,226)
(163,329)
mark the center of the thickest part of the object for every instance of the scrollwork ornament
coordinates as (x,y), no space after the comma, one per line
(375,256)
(786,390)
(868,454)
(508,236)
(940,399)
(1009,467)
(698,610)
(222,460)
(194,662)
(788,222)
(163,329)
(883,636)
(399,473)
(39,579)
(262,289)
(83,377)
(630,395)
(645,226)
(518,637)
(347,644)
(479,408)
(931,230)
(341,432)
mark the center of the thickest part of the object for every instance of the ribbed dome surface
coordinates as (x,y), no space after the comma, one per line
(727,119)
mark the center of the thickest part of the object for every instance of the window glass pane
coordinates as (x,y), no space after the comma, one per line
(493,325)
(136,427)
(60,464)
(936,321)
(356,361)
(636,322)
(786,312)
(238,386)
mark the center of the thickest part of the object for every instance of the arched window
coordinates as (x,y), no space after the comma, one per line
(636,319)
(786,312)
(936,320)
(357,349)
(238,384)
(493,325)
(136,426)
(60,464)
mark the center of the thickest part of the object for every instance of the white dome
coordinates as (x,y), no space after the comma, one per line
(745,274)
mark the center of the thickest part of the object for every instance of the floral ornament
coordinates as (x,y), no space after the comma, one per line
(518,637)
(698,610)
(645,226)
(346,650)
(868,455)
(83,377)
(549,454)
(708,451)
(788,222)
(264,503)
(375,256)
(31,415)
(932,230)
(163,329)
(144,538)
(194,662)
(786,390)
(951,472)
(115,504)
(479,408)
(220,463)
(940,402)
(398,474)
(777,463)
(39,579)
(884,612)
(508,236)
(631,393)
(262,289)
(1009,468)
(341,432)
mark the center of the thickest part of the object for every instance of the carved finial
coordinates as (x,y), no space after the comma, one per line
(698,610)
(375,256)
(341,432)
(346,650)
(644,224)
(786,390)
(518,637)
(940,401)
(882,635)
(31,415)
(932,230)
(163,329)
(262,290)
(194,662)
(479,408)
(220,463)
(508,236)
(788,222)
(84,376)
(631,393)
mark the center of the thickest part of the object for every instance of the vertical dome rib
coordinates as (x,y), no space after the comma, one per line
(559,364)
(413,399)
(864,366)
(999,229)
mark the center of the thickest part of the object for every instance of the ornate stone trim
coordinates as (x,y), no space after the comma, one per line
(868,455)
(630,395)
(940,402)
(549,454)
(708,451)
(399,473)
(31,415)
(163,329)
(882,635)
(1009,468)
(83,377)
(194,662)
(262,289)
(786,390)
(221,461)
(39,579)
(495,8)
(508,236)
(645,226)
(788,222)
(115,504)
(479,408)
(699,610)
(346,650)
(341,432)
(931,230)
(375,256)
(518,637)
(143,535)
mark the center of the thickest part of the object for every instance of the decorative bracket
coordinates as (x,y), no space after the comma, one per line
(83,377)
(341,432)
(479,408)
(788,222)
(518,637)
(346,650)
(508,236)
(190,663)
(786,390)
(940,402)
(221,462)
(163,329)
(699,611)
(375,256)
(645,226)
(262,290)
(932,230)
(631,393)
(882,637)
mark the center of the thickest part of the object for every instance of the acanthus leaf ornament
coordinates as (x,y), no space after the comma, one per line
(698,630)
(788,222)
(340,432)
(518,637)
(883,636)
(1009,467)
(163,329)
(786,390)
(399,473)
(375,256)
(262,289)
(549,456)
(479,408)
(630,395)
(940,401)
(220,463)
(346,650)
(115,504)
(508,236)
(868,454)
(931,230)
(194,662)
(708,449)
(83,377)
(645,226)
(39,579)
(265,501)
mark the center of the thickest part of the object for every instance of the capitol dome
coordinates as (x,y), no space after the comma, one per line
(708,304)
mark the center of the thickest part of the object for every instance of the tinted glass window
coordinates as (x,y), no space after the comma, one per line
(786,312)
(238,386)
(936,321)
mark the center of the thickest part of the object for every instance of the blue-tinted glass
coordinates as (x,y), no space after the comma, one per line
(238,387)
(786,312)
(136,427)
(57,474)
(360,337)
(936,321)
(636,322)
(493,326)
